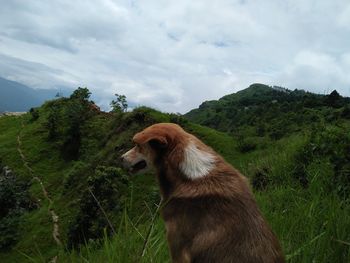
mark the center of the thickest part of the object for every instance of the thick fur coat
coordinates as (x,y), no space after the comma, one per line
(209,210)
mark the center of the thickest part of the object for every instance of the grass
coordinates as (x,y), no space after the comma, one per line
(313,224)
(312,227)
(135,241)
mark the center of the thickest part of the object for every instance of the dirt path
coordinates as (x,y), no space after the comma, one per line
(54,216)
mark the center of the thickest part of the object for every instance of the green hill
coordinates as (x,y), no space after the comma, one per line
(263,110)
(63,197)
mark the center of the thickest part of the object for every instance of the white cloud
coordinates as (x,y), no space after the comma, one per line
(318,72)
(174,55)
(343,19)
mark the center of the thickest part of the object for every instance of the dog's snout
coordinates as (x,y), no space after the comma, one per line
(124,160)
(123,157)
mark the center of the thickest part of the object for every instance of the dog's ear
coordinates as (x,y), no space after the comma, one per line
(155,139)
(158,143)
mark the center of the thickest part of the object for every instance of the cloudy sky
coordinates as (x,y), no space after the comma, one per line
(172,55)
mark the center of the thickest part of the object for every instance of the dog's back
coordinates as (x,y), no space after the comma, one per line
(216,219)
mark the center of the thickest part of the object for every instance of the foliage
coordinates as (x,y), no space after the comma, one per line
(9,230)
(99,203)
(334,143)
(120,104)
(82,94)
(65,120)
(51,123)
(34,113)
(245,145)
(334,99)
(346,112)
(271,111)
(260,178)
(14,201)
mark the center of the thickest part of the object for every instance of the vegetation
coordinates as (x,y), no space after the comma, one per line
(261,110)
(120,104)
(14,201)
(293,146)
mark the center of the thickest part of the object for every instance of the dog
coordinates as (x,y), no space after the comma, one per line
(209,210)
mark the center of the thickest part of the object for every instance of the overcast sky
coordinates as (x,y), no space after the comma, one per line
(173,55)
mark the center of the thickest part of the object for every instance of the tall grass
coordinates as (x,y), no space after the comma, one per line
(136,240)
(312,224)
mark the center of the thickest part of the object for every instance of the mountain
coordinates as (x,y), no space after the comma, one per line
(262,109)
(15,96)
(61,176)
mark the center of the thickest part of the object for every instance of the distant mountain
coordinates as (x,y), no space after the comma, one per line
(15,96)
(265,107)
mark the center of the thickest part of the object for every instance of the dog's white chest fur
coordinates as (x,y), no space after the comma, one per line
(196,163)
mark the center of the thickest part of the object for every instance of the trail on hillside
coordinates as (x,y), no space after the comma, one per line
(54,216)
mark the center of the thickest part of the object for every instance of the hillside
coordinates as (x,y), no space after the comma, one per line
(263,110)
(64,197)
(15,96)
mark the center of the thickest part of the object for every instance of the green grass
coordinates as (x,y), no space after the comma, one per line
(313,224)
(128,244)
(312,227)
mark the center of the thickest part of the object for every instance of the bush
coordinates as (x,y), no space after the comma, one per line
(14,201)
(99,204)
(178,119)
(334,145)
(34,113)
(72,178)
(260,179)
(246,145)
(301,161)
(346,112)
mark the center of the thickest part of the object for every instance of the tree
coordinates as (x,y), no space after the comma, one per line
(119,105)
(34,113)
(52,121)
(346,112)
(77,111)
(81,94)
(334,99)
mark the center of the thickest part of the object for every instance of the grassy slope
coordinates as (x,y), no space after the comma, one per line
(312,223)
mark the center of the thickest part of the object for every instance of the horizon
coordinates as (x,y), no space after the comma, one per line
(67,91)
(174,56)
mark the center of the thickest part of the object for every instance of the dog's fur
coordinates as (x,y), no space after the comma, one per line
(209,210)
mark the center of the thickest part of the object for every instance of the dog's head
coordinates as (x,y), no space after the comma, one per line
(170,145)
(155,140)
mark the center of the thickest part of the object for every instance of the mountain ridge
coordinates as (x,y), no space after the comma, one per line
(263,103)
(17,97)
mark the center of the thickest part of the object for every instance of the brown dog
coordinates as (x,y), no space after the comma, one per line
(208,208)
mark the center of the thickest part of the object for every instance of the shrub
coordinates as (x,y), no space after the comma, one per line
(9,230)
(34,113)
(346,112)
(260,179)
(246,145)
(72,178)
(14,201)
(100,202)
(301,161)
(333,144)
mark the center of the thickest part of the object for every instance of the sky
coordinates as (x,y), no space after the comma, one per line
(173,55)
